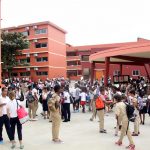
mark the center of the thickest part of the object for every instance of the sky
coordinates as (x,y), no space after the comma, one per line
(87,22)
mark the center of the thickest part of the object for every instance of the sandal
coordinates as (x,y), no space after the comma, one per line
(118,143)
(131,147)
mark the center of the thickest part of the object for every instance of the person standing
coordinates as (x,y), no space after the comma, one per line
(44,102)
(54,106)
(133,101)
(100,112)
(67,113)
(4,119)
(13,106)
(121,113)
(83,99)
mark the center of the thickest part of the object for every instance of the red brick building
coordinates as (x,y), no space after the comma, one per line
(46,55)
(78,63)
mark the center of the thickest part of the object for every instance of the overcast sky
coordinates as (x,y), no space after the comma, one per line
(86,21)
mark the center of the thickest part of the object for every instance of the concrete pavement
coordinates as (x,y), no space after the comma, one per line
(79,134)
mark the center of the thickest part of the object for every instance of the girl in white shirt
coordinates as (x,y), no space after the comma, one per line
(83,96)
(44,102)
(13,106)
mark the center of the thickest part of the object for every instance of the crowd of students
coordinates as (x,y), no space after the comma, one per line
(57,95)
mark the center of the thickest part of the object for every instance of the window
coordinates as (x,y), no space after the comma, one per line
(116,73)
(14,74)
(42,59)
(135,72)
(85,58)
(72,73)
(26,33)
(72,63)
(25,74)
(86,71)
(44,73)
(22,61)
(41,31)
(40,45)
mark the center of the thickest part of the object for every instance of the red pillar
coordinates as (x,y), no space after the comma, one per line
(107,63)
(92,72)
(121,67)
(147,69)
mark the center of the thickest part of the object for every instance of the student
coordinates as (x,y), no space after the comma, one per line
(54,106)
(5,120)
(142,107)
(44,102)
(121,113)
(83,99)
(1,119)
(100,112)
(13,105)
(66,105)
(31,104)
(133,101)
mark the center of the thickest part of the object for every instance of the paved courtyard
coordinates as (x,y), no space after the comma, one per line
(79,134)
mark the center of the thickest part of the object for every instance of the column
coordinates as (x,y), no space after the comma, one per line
(121,69)
(107,63)
(92,71)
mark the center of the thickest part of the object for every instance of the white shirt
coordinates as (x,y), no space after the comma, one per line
(67,96)
(12,106)
(4,100)
(83,96)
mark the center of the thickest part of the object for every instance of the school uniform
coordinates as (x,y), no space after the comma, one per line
(13,106)
(120,111)
(55,116)
(66,105)
(4,119)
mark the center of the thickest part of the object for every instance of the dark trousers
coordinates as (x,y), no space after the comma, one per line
(15,122)
(1,127)
(4,120)
(67,113)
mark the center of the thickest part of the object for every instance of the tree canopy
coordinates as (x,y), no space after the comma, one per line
(12,44)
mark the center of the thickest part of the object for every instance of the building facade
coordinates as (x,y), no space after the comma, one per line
(78,64)
(46,55)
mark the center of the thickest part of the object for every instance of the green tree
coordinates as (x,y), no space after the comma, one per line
(12,44)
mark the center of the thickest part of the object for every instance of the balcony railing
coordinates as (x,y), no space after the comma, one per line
(71,58)
(22,64)
(74,67)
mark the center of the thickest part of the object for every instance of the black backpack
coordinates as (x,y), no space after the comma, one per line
(30,98)
(130,112)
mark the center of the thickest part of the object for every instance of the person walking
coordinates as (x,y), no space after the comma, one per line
(13,106)
(54,106)
(120,112)
(5,119)
(31,104)
(67,113)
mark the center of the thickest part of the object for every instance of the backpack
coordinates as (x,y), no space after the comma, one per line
(22,96)
(49,96)
(30,98)
(130,112)
(99,103)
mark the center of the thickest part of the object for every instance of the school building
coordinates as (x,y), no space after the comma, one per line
(80,65)
(46,54)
